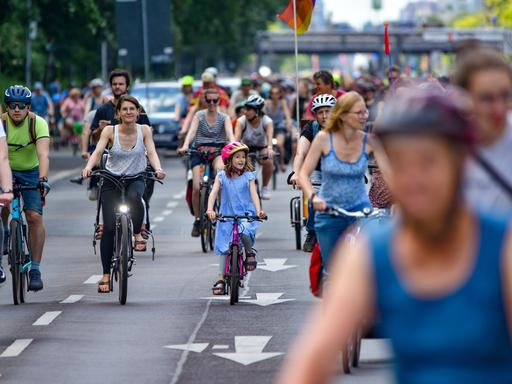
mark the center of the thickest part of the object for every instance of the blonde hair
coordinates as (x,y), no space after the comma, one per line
(344,104)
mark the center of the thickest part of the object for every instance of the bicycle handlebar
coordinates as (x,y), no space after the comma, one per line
(240,217)
(119,179)
(289,180)
(365,212)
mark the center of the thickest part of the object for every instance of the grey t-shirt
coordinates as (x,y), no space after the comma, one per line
(481,190)
(254,136)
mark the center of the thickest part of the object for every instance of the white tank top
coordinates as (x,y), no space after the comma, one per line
(127,162)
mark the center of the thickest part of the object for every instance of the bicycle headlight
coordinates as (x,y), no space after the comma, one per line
(205,179)
(123,208)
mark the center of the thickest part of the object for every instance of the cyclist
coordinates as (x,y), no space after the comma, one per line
(439,279)
(324,84)
(210,130)
(241,95)
(130,146)
(182,104)
(277,109)
(256,130)
(28,140)
(239,196)
(42,104)
(6,189)
(208,80)
(487,77)
(342,148)
(95,98)
(321,108)
(72,112)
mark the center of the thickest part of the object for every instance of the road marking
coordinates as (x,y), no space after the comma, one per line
(249,350)
(172,204)
(223,297)
(47,318)
(274,265)
(220,347)
(266,299)
(180,195)
(167,212)
(158,219)
(16,348)
(194,347)
(153,226)
(94,279)
(184,354)
(63,174)
(72,299)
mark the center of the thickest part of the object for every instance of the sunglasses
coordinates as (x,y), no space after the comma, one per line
(21,106)
(212,101)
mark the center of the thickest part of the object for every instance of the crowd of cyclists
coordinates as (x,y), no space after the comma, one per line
(440,150)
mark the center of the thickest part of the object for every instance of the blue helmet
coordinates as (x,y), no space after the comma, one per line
(18,93)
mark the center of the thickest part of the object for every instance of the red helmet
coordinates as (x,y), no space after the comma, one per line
(232,148)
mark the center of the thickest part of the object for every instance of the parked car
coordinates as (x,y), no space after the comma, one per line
(159,100)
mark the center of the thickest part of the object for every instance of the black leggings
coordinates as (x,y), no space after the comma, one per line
(110,199)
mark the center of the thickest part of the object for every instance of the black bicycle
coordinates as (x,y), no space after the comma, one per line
(207,171)
(19,255)
(122,259)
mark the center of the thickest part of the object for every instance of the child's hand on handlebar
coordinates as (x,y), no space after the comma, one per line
(212,215)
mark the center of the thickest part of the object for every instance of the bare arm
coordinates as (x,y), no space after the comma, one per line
(106,134)
(254,197)
(302,150)
(287,116)
(151,151)
(347,302)
(177,111)
(190,134)
(312,159)
(43,149)
(5,172)
(188,120)
(214,193)
(84,139)
(238,130)
(229,129)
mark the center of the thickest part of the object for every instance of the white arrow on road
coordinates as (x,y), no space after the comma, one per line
(194,347)
(274,265)
(266,299)
(249,350)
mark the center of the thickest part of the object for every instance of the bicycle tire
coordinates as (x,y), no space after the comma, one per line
(297,226)
(213,228)
(235,275)
(357,348)
(124,254)
(203,221)
(15,263)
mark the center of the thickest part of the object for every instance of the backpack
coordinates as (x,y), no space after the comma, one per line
(31,130)
(316,271)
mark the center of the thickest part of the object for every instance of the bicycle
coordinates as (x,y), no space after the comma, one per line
(122,259)
(207,172)
(254,156)
(235,271)
(352,351)
(19,254)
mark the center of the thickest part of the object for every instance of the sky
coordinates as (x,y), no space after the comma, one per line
(358,12)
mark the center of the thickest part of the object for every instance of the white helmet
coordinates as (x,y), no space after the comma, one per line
(324,100)
(213,71)
(96,83)
(255,102)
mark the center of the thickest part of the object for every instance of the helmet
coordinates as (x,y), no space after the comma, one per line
(187,80)
(232,148)
(255,102)
(18,93)
(239,106)
(38,85)
(213,71)
(324,100)
(96,83)
(426,112)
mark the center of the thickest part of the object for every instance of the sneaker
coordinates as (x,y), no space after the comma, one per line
(92,194)
(196,229)
(265,194)
(35,284)
(77,180)
(2,275)
(309,243)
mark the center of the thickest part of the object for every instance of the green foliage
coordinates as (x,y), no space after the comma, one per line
(473,20)
(503,10)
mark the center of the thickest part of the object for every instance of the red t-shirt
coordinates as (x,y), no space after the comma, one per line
(339,93)
(224,99)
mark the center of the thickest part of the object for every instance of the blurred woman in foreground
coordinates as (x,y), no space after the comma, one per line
(439,279)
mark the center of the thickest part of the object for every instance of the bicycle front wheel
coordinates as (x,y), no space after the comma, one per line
(18,289)
(125,250)
(235,275)
(297,225)
(203,221)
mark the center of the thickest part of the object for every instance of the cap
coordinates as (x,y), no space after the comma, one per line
(96,83)
(187,80)
(207,77)
(38,85)
(246,81)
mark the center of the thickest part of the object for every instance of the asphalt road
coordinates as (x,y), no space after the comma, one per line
(171,330)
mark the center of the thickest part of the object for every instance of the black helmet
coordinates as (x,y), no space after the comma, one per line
(426,112)
(18,93)
(255,102)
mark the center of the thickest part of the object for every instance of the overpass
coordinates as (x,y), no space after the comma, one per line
(406,41)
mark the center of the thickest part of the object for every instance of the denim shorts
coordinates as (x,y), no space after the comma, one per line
(31,199)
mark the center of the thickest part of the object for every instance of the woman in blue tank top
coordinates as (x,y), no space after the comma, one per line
(342,148)
(439,279)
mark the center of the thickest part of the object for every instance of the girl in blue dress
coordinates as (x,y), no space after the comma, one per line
(239,197)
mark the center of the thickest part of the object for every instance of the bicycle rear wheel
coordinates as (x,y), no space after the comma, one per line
(15,263)
(125,249)
(297,225)
(235,275)
(203,220)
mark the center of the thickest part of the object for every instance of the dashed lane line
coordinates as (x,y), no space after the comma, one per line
(180,195)
(94,279)
(158,219)
(72,299)
(16,348)
(167,212)
(172,204)
(47,318)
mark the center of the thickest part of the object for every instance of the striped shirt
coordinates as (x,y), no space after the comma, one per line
(207,134)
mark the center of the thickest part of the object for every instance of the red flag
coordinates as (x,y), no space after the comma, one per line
(386,39)
(304,10)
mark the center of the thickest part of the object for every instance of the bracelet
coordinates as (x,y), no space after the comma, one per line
(8,191)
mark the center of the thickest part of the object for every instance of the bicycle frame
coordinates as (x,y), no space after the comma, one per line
(17,214)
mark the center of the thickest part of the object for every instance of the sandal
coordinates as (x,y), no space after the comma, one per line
(140,246)
(102,284)
(219,288)
(99,232)
(250,265)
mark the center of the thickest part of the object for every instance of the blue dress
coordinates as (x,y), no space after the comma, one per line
(461,337)
(235,199)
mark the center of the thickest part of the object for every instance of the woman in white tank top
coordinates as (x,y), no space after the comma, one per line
(130,147)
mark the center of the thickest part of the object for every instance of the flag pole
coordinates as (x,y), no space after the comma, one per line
(297,106)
